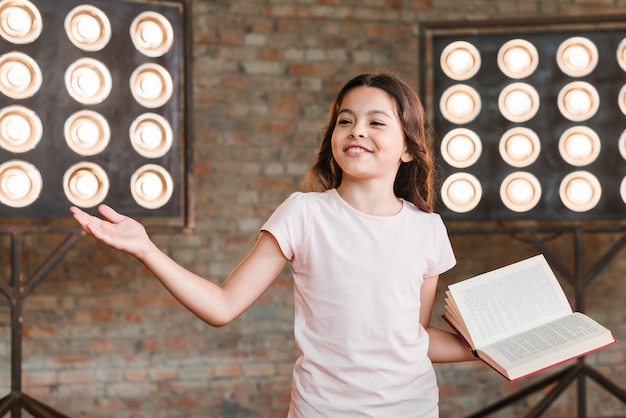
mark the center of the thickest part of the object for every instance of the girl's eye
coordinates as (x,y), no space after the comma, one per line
(343,122)
(376,123)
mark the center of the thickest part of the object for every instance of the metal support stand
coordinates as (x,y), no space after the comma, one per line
(579,280)
(16,292)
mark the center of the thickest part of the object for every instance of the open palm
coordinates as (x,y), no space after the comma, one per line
(116,230)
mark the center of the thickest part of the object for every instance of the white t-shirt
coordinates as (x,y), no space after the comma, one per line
(357,282)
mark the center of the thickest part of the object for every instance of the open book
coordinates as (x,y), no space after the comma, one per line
(518,321)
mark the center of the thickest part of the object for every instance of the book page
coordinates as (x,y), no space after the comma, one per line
(547,345)
(503,302)
(454,319)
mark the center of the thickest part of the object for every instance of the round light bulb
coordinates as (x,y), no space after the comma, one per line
(88,28)
(18,21)
(16,184)
(578,56)
(519,147)
(518,103)
(151,34)
(88,133)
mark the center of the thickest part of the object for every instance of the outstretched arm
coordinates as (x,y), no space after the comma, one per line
(445,347)
(215,304)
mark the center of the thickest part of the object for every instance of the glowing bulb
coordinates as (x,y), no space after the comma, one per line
(18,75)
(88,133)
(521,191)
(461,103)
(578,56)
(86,184)
(578,101)
(460,61)
(461,148)
(18,20)
(579,192)
(462,192)
(17,129)
(578,146)
(16,184)
(151,34)
(150,185)
(88,81)
(20,183)
(518,103)
(517,59)
(519,147)
(88,28)
(151,86)
(150,135)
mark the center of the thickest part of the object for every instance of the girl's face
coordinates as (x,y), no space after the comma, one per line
(368,139)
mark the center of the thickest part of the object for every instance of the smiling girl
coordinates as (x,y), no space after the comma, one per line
(365,250)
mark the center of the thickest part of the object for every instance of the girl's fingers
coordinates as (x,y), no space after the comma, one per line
(110,214)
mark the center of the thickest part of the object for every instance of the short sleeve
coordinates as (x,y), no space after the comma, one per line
(443,254)
(287,224)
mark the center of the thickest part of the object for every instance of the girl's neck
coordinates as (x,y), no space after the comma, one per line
(370,199)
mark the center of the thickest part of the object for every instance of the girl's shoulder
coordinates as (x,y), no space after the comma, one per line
(310,198)
(415,211)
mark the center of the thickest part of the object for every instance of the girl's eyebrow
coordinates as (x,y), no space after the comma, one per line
(369,113)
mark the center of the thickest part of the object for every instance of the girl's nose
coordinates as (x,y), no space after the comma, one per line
(357,131)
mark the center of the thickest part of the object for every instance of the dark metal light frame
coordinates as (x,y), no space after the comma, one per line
(54,51)
(549,168)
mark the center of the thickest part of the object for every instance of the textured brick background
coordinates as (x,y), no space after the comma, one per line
(102,338)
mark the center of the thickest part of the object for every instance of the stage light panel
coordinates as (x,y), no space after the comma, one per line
(20,21)
(551,99)
(112,101)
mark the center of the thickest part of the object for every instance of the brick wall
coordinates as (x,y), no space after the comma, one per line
(102,338)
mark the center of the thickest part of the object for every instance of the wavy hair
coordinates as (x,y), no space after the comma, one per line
(414,181)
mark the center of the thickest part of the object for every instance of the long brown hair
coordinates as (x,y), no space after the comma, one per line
(415,179)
